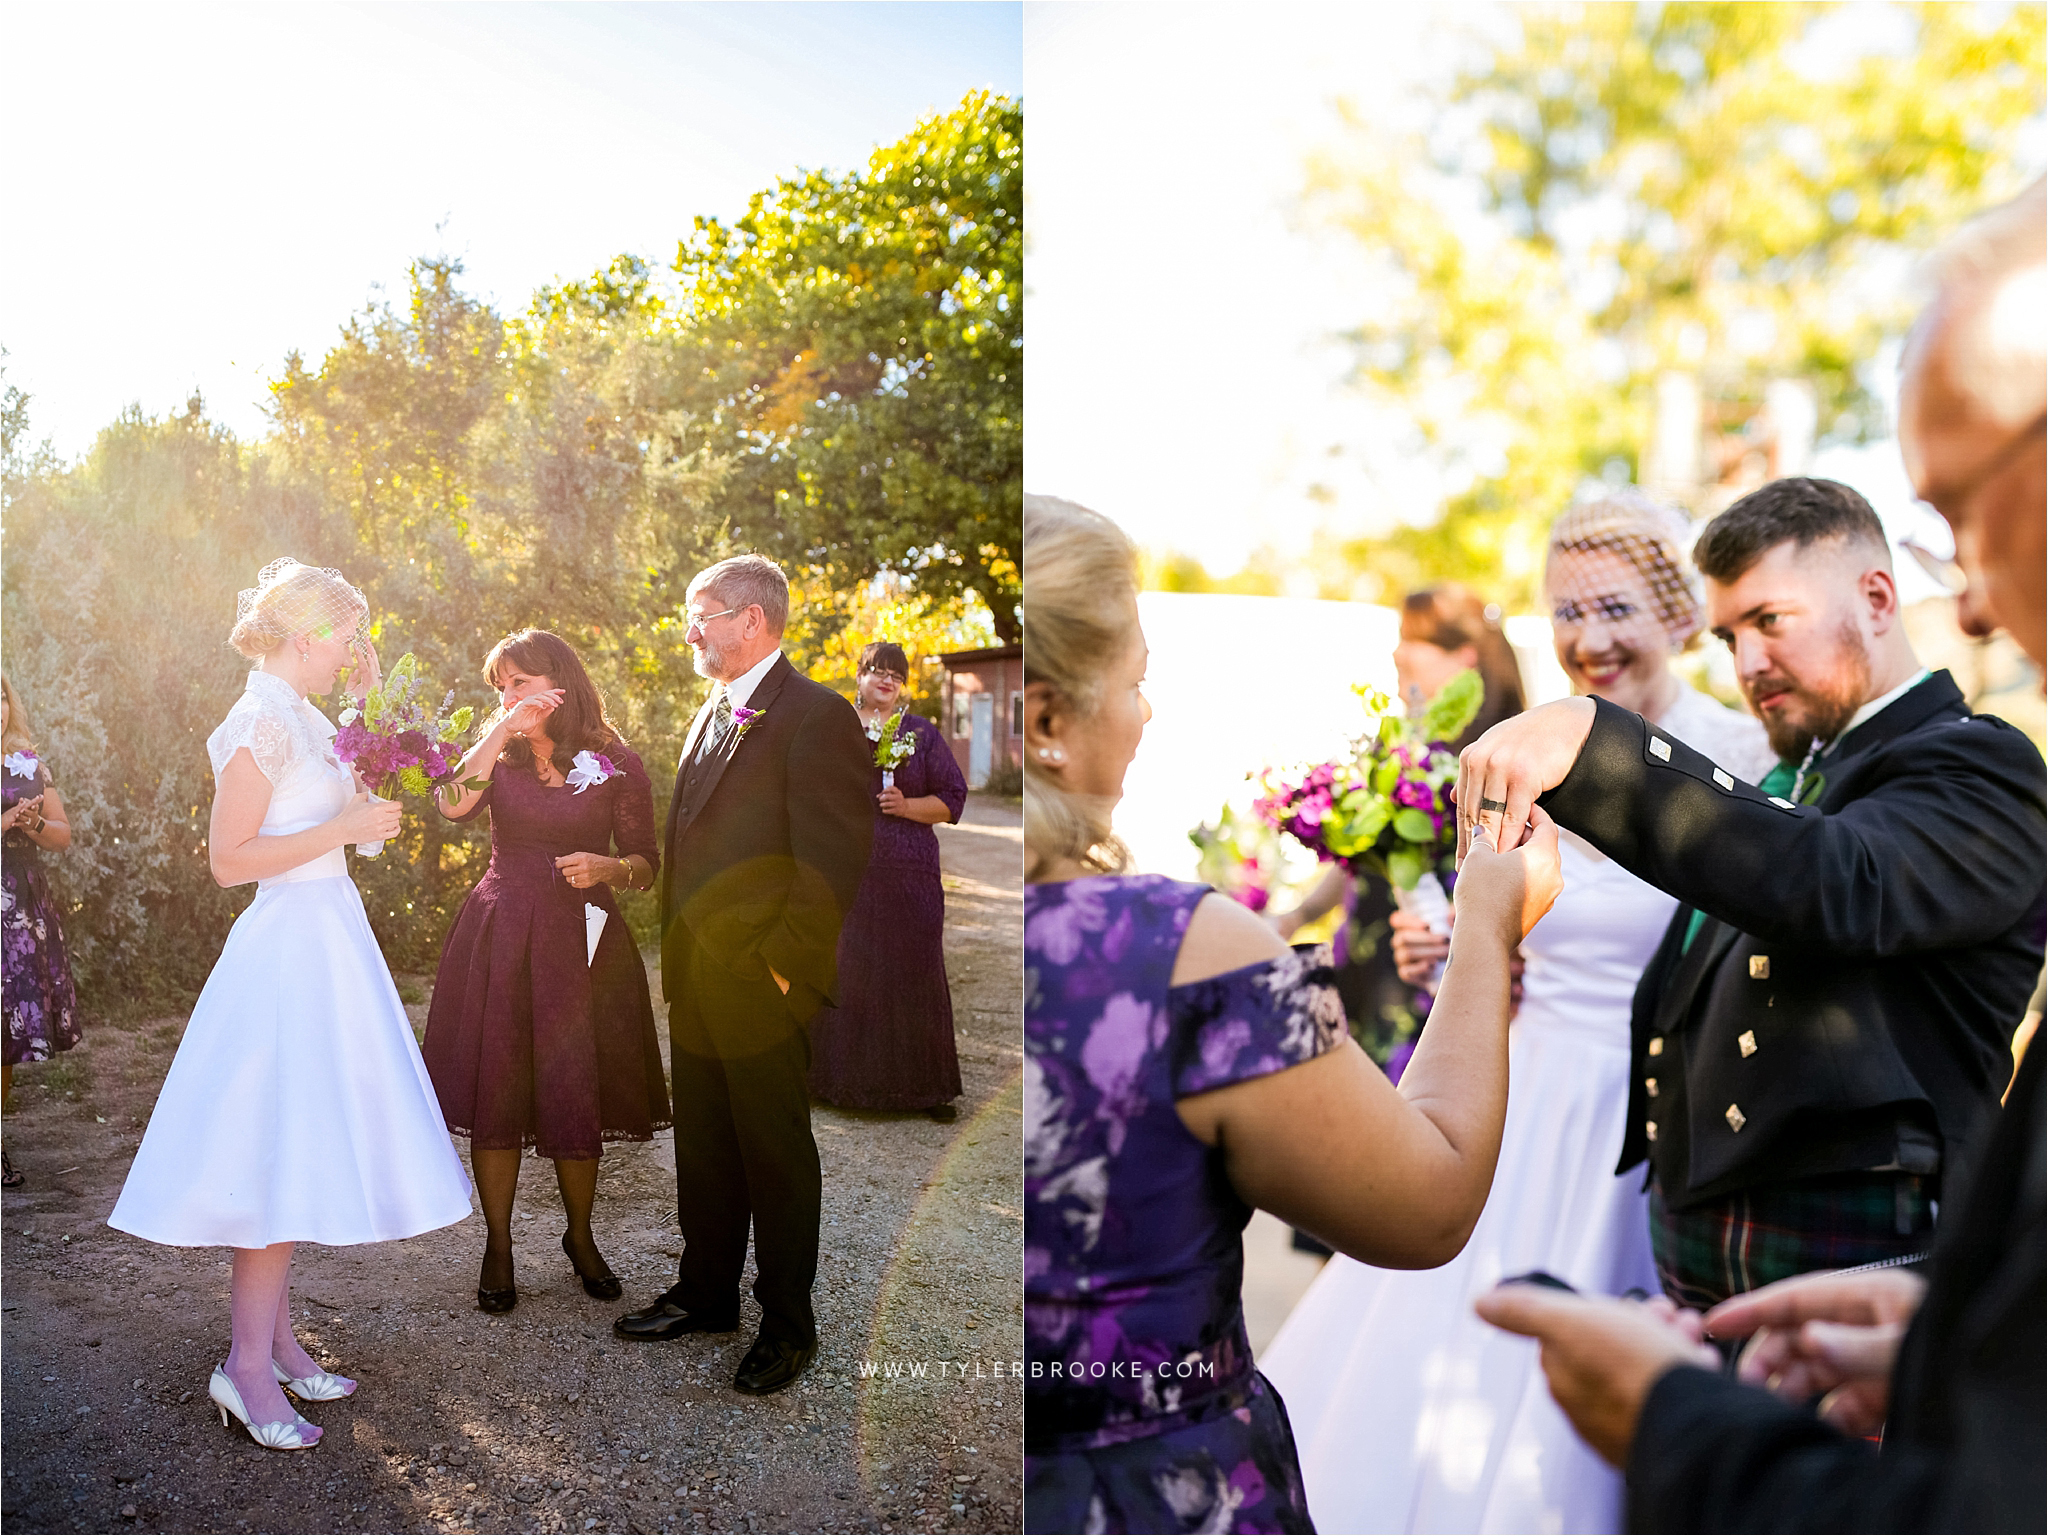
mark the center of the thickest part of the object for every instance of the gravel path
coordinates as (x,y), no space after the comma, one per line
(541,1420)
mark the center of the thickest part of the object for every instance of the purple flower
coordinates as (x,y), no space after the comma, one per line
(414,746)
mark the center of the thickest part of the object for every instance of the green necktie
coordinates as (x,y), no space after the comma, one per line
(1777,782)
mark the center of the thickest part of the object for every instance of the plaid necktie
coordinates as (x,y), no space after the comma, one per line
(715,732)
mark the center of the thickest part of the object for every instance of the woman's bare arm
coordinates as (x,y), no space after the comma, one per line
(1395,1177)
(236,848)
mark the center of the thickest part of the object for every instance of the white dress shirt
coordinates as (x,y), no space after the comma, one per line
(741,688)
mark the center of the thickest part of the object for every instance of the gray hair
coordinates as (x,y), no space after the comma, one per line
(747,581)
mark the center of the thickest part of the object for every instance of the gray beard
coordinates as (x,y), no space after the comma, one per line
(706,658)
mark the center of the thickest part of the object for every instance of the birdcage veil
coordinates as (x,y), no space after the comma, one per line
(294,599)
(1652,537)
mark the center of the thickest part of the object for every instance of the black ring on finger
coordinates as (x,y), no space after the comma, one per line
(1492,805)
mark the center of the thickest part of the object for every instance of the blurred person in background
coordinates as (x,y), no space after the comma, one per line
(41,1003)
(1948,1360)
(888,1042)
(1411,1413)
(1182,1066)
(1444,631)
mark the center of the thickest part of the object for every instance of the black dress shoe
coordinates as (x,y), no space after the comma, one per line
(773,1364)
(945,1114)
(497,1301)
(666,1320)
(604,1287)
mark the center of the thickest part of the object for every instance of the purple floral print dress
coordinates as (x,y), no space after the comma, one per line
(40,1001)
(1142,1409)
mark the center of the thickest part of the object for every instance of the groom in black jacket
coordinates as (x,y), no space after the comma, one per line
(768,835)
(1824,1033)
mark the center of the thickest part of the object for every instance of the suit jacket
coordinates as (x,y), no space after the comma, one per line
(1966,1444)
(1851,1004)
(766,843)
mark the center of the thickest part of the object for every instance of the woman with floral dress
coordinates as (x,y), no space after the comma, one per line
(1182,1066)
(40,1000)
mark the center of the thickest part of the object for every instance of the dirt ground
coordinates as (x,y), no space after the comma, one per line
(541,1420)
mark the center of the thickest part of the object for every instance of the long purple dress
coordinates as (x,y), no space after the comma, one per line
(889,1042)
(1142,1409)
(41,1002)
(530,1041)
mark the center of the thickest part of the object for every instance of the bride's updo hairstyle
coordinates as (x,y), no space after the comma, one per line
(293,599)
(1652,537)
(580,724)
(1080,614)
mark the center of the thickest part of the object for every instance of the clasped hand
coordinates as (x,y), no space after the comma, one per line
(584,870)
(21,811)
(1832,1336)
(364,820)
(1501,774)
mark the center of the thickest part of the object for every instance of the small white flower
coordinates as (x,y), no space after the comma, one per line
(350,716)
(588,769)
(23,763)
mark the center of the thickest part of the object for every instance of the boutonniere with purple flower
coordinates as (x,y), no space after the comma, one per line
(589,768)
(22,763)
(743,720)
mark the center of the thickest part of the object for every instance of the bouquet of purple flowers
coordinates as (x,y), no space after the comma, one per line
(1386,807)
(397,743)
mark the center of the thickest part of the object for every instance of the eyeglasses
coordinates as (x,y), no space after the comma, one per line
(1943,567)
(699,620)
(888,672)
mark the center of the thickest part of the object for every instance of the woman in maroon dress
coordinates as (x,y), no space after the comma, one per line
(533,1039)
(889,1042)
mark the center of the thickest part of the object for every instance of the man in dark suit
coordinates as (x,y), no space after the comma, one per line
(768,835)
(1825,1030)
(1953,1367)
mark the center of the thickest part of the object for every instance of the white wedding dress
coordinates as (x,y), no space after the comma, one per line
(1410,1414)
(298,1108)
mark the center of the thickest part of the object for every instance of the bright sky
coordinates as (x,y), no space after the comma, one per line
(197,189)
(1184,379)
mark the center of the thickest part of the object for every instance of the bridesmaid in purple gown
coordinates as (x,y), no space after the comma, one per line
(39,998)
(532,1039)
(889,1042)
(1182,1066)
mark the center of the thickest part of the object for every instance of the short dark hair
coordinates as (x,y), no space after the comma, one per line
(885,656)
(1800,510)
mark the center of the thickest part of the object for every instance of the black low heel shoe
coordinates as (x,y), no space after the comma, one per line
(604,1287)
(497,1301)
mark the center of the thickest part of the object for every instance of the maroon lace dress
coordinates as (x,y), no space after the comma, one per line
(528,1043)
(889,1042)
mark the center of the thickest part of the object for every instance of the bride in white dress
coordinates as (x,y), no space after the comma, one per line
(298,1108)
(1410,1414)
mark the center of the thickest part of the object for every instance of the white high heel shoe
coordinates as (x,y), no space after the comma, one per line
(316,1388)
(281,1436)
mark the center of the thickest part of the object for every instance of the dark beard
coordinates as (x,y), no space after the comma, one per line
(1822,710)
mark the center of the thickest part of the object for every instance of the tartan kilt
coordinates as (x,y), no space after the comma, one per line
(1723,1247)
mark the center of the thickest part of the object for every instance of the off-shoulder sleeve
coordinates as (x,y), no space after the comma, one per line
(942,774)
(633,810)
(267,735)
(1250,1022)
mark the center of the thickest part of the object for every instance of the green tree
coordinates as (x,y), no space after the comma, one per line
(1682,187)
(862,339)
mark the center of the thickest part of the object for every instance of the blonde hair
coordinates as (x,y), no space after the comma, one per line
(19,735)
(1080,613)
(291,599)
(1652,537)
